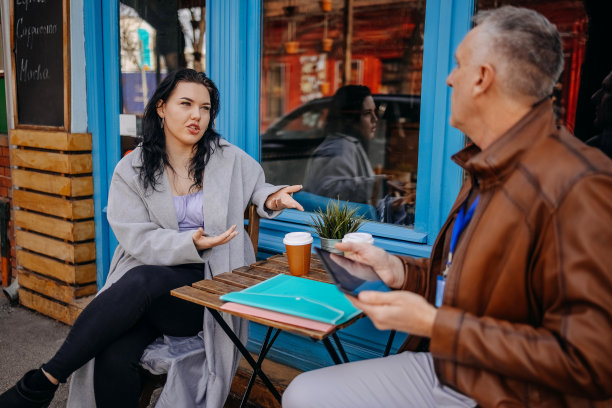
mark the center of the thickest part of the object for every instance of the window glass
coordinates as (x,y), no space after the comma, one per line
(156,37)
(359,148)
(571,20)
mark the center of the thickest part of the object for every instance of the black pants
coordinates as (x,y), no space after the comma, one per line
(120,322)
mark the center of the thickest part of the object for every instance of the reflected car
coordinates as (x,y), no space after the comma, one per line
(289,142)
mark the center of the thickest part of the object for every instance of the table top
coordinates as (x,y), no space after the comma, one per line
(206,292)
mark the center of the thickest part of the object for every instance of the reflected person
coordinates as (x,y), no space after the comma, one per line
(339,166)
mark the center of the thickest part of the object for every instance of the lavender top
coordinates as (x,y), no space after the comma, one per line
(189,211)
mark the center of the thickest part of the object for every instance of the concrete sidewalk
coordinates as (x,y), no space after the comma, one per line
(27,340)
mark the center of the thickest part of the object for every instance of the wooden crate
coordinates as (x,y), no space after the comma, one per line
(53,288)
(64,312)
(53,140)
(53,217)
(63,271)
(53,184)
(51,161)
(57,227)
(65,251)
(52,205)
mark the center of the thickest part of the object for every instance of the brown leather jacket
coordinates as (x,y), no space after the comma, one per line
(526,318)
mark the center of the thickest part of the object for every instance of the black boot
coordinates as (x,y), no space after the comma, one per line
(25,394)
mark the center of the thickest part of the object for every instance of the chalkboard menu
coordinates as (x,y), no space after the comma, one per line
(39,65)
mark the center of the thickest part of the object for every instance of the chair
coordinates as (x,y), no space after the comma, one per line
(152,381)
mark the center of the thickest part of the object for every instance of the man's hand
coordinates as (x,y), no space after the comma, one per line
(388,267)
(203,241)
(283,199)
(397,310)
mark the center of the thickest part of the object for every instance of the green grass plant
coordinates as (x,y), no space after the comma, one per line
(336,221)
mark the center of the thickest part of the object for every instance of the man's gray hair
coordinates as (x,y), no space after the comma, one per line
(528,45)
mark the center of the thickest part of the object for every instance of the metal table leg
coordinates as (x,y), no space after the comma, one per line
(245,353)
(389,343)
(332,352)
(340,348)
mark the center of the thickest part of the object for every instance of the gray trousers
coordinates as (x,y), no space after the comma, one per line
(402,380)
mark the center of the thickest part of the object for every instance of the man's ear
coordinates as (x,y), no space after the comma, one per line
(486,77)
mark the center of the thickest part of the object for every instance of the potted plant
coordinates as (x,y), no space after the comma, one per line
(334,223)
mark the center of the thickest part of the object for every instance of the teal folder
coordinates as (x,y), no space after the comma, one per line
(299,297)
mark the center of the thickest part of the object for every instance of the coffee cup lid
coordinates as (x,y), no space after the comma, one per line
(358,237)
(297,238)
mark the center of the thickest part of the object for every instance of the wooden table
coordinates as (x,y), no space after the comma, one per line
(206,293)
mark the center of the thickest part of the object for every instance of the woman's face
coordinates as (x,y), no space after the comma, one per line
(368,120)
(186,114)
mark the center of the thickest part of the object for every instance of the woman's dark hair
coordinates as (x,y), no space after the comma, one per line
(154,155)
(345,109)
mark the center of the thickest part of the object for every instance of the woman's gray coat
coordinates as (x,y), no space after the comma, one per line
(146,227)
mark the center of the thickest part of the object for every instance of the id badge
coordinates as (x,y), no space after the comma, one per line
(440,283)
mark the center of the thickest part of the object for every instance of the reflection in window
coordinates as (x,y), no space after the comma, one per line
(571,20)
(156,37)
(361,146)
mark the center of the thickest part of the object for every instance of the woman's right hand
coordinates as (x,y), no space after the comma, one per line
(203,241)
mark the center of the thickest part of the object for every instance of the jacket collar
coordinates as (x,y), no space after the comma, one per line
(492,165)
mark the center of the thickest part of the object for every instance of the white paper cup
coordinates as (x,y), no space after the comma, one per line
(297,238)
(358,237)
(298,245)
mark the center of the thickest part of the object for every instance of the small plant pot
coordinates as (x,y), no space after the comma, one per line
(326,44)
(326,5)
(328,245)
(291,47)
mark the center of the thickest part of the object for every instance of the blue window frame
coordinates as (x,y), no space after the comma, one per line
(233,62)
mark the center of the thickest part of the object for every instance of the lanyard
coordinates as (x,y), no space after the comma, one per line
(462,220)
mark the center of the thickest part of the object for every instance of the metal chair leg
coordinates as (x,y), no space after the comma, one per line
(245,353)
(265,347)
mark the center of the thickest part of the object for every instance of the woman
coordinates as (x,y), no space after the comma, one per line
(339,167)
(176,206)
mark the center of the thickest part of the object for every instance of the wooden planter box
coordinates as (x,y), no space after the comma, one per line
(53,216)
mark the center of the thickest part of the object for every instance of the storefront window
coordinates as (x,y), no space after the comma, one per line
(156,37)
(571,20)
(362,150)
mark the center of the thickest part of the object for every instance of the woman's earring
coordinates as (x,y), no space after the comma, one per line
(162,123)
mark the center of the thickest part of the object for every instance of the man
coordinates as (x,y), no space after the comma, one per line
(525,315)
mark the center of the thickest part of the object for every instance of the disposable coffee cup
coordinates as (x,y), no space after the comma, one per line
(298,245)
(358,237)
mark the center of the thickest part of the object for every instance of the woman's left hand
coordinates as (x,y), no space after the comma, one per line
(282,199)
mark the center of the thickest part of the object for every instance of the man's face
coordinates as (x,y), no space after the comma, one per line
(461,79)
